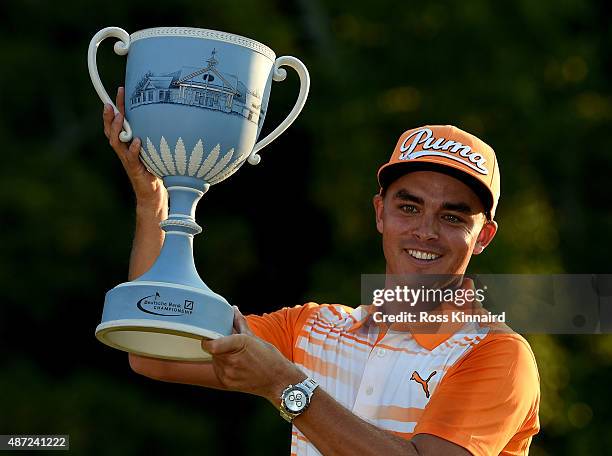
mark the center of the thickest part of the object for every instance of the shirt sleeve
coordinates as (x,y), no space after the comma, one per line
(488,401)
(280,328)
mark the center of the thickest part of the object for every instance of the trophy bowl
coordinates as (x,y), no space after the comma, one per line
(197,99)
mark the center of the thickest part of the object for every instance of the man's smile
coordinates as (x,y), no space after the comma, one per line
(423,256)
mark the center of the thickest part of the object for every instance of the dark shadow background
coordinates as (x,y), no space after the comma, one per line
(532,78)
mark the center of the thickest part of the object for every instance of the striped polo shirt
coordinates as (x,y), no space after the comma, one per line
(474,387)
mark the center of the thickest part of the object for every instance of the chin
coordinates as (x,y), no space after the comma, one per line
(412,269)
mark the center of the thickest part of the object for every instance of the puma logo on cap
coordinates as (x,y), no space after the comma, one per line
(440,147)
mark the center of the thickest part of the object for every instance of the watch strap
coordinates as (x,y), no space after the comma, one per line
(287,416)
(310,385)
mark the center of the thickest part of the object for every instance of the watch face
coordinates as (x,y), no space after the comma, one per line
(296,400)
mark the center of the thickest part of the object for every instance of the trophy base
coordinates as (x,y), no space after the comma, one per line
(163,320)
(159,339)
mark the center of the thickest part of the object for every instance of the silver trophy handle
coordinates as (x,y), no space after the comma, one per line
(279,75)
(121,48)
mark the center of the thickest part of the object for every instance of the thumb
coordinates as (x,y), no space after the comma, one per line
(225,345)
(241,325)
(468,283)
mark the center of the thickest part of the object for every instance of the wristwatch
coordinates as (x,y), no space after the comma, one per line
(296,398)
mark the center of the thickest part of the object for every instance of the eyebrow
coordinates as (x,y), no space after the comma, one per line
(464,208)
(461,207)
(407,196)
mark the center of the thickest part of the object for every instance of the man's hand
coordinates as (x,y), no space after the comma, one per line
(151,195)
(243,362)
(149,189)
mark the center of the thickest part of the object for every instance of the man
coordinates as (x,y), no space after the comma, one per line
(362,389)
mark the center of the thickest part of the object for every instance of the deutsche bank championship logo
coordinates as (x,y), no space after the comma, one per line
(155,305)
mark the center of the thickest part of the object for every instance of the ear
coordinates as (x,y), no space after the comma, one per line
(379,208)
(486,235)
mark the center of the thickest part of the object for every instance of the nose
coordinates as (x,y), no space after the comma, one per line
(426,228)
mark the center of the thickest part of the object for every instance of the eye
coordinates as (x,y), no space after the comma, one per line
(409,208)
(452,218)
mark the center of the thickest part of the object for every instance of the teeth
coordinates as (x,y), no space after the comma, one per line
(421,255)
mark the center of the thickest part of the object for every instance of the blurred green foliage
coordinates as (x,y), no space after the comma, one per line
(532,78)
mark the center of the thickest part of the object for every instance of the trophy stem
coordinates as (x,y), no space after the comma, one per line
(175,263)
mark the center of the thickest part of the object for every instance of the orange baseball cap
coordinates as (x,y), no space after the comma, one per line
(449,150)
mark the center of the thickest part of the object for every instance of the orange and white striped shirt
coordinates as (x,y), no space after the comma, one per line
(476,388)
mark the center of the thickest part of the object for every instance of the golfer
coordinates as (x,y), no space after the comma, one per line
(349,384)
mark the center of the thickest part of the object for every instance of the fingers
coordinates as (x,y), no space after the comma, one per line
(230,344)
(146,186)
(133,152)
(107,116)
(110,117)
(131,160)
(241,324)
(129,156)
(225,345)
(468,283)
(115,128)
(120,101)
(113,125)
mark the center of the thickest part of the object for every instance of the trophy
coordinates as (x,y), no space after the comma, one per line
(197,98)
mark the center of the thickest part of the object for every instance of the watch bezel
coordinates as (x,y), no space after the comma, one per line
(288,391)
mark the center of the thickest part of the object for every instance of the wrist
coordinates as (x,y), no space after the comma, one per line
(289,377)
(156,208)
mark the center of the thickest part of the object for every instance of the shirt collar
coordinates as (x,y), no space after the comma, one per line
(364,316)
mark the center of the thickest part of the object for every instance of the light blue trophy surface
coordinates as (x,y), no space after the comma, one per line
(197,99)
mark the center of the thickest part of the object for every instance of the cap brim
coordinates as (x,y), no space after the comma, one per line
(392,171)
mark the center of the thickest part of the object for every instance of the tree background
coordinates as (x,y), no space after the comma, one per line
(532,78)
